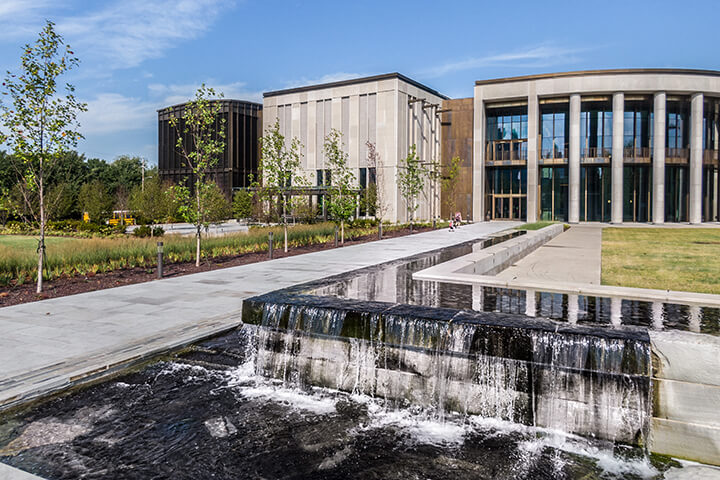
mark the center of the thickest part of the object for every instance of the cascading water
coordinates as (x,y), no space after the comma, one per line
(585,381)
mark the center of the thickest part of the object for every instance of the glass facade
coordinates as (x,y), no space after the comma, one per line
(367,178)
(677,135)
(677,182)
(596,129)
(595,193)
(554,127)
(554,193)
(507,133)
(506,189)
(637,128)
(637,193)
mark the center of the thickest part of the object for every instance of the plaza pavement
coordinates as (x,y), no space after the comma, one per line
(49,345)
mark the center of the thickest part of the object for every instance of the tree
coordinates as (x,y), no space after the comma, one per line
(201,142)
(343,190)
(242,205)
(41,123)
(95,200)
(279,170)
(411,180)
(217,207)
(449,182)
(374,161)
(151,203)
(7,205)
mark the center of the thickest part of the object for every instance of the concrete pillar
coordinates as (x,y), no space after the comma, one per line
(658,166)
(478,166)
(572,309)
(695,318)
(530,305)
(574,160)
(616,311)
(696,157)
(532,154)
(657,315)
(477,297)
(618,130)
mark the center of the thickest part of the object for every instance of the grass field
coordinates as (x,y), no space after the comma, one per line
(28,243)
(682,259)
(534,226)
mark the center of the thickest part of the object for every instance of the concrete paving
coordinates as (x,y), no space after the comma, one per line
(573,256)
(49,345)
(10,473)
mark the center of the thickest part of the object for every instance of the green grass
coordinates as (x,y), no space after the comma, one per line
(682,259)
(82,256)
(534,226)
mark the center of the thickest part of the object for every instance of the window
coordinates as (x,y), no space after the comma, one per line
(367,180)
(553,128)
(596,130)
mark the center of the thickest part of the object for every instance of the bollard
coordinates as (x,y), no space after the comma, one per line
(380,231)
(336,236)
(270,245)
(160,259)
(434,224)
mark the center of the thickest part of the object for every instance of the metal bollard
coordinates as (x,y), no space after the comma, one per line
(270,245)
(336,236)
(380,231)
(434,223)
(160,259)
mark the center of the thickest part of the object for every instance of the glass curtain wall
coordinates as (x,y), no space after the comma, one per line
(507,133)
(677,156)
(507,193)
(637,193)
(637,131)
(554,128)
(711,165)
(595,193)
(596,129)
(554,193)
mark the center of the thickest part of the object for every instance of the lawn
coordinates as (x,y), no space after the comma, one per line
(28,243)
(683,259)
(534,226)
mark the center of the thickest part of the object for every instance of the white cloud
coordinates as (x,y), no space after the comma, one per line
(173,94)
(539,56)
(113,113)
(328,78)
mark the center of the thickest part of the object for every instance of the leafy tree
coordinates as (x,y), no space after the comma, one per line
(379,205)
(242,206)
(41,123)
(411,178)
(342,203)
(217,206)
(61,200)
(8,205)
(201,142)
(280,170)
(124,172)
(95,200)
(449,182)
(150,203)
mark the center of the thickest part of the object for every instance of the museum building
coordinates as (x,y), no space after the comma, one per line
(627,145)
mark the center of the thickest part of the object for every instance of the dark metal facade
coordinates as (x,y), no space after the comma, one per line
(243,128)
(456,122)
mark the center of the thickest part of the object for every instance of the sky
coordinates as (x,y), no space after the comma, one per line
(138,56)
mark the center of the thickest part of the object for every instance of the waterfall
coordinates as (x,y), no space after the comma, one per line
(588,381)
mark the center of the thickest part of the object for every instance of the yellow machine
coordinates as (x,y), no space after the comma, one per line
(121,217)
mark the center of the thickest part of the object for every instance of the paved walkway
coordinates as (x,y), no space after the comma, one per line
(573,256)
(47,345)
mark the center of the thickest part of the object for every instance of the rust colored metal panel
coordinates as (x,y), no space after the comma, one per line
(456,122)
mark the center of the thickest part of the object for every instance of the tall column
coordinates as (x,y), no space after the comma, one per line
(696,154)
(618,130)
(532,154)
(574,159)
(658,166)
(478,165)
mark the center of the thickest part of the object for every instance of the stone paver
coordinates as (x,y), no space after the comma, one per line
(573,256)
(9,473)
(48,345)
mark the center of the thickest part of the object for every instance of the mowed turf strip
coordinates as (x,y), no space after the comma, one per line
(681,259)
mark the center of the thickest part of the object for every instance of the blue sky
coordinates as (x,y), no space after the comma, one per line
(138,56)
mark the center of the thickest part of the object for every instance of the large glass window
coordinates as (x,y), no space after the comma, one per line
(676,193)
(595,193)
(637,128)
(506,189)
(596,129)
(554,193)
(367,180)
(637,193)
(507,133)
(553,128)
(677,133)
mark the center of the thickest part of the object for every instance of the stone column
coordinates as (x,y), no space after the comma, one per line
(618,130)
(658,165)
(530,305)
(574,160)
(532,154)
(616,311)
(478,165)
(696,157)
(572,309)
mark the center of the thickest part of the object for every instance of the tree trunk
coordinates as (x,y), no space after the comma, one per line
(197,247)
(342,232)
(41,243)
(285,222)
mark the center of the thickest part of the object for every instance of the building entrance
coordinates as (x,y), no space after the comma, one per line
(507,193)
(637,193)
(710,190)
(554,193)
(676,193)
(595,193)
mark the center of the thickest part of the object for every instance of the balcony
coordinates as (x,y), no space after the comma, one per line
(596,152)
(637,155)
(506,152)
(710,157)
(677,156)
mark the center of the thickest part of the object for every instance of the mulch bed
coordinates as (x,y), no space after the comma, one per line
(61,287)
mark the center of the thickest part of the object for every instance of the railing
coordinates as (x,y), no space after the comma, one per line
(507,150)
(710,157)
(554,153)
(677,153)
(630,153)
(596,152)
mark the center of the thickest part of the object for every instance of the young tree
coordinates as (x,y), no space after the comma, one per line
(379,203)
(279,170)
(242,205)
(449,183)
(41,123)
(411,178)
(342,203)
(151,203)
(95,200)
(201,142)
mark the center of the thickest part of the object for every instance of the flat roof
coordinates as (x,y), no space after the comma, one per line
(354,81)
(225,100)
(615,71)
